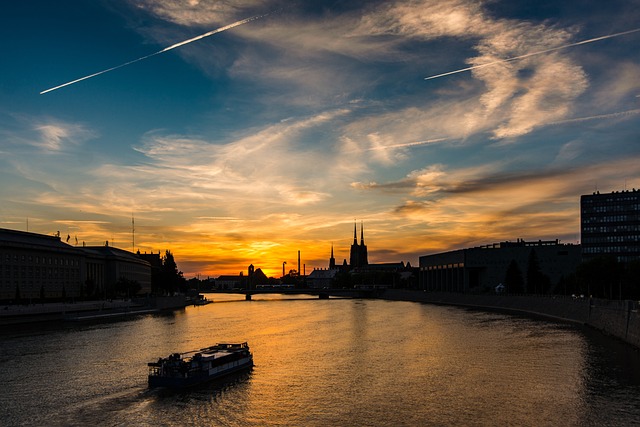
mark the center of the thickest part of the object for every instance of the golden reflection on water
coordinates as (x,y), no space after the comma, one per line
(318,363)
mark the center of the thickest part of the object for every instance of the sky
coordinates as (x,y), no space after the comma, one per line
(275,135)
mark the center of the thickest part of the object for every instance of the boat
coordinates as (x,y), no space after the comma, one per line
(180,370)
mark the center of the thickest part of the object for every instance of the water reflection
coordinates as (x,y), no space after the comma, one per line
(324,362)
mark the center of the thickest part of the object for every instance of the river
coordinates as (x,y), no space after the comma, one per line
(336,362)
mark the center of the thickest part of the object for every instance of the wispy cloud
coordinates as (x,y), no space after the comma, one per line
(50,135)
(311,62)
(530,54)
(56,135)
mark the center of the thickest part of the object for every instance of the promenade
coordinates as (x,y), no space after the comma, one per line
(620,319)
(28,313)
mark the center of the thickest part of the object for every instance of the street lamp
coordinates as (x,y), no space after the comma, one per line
(283,264)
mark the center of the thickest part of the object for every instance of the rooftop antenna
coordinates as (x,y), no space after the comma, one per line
(133,234)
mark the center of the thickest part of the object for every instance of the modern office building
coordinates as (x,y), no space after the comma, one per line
(610,225)
(37,266)
(485,267)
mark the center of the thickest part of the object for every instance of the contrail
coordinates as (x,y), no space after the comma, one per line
(407,144)
(400,145)
(598,117)
(515,58)
(210,33)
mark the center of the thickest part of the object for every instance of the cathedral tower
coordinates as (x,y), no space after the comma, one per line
(332,260)
(358,256)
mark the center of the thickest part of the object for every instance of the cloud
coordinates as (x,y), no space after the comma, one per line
(321,62)
(513,102)
(570,151)
(50,135)
(199,12)
(426,19)
(265,166)
(465,205)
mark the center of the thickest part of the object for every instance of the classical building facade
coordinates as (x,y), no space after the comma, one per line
(37,266)
(34,266)
(610,225)
(105,265)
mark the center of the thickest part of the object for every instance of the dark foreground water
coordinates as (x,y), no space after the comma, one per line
(323,363)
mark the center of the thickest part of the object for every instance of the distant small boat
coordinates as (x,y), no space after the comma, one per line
(181,370)
(202,300)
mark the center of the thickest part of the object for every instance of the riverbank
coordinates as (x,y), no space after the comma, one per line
(620,319)
(86,310)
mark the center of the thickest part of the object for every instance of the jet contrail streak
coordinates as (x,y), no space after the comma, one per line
(598,117)
(210,33)
(515,58)
(407,144)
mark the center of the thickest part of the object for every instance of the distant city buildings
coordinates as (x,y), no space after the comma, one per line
(37,266)
(610,225)
(254,279)
(359,270)
(483,268)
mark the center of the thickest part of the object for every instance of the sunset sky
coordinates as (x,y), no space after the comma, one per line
(275,135)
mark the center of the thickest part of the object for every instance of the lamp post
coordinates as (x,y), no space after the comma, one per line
(283,264)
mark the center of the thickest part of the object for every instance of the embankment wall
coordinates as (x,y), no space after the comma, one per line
(617,318)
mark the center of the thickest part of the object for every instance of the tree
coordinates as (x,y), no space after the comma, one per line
(537,281)
(630,287)
(513,278)
(126,288)
(533,272)
(170,279)
(601,276)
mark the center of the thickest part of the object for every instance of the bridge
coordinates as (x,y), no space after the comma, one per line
(321,293)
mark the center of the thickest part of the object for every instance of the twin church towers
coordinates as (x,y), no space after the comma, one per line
(358,256)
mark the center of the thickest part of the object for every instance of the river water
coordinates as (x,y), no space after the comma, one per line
(336,362)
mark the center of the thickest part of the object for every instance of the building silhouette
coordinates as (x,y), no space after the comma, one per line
(360,270)
(358,256)
(610,225)
(38,266)
(252,280)
(332,260)
(483,268)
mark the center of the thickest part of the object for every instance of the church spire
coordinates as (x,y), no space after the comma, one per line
(332,260)
(355,233)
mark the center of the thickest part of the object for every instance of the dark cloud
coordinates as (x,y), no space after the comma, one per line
(411,207)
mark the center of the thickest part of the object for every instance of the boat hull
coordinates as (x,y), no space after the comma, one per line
(179,382)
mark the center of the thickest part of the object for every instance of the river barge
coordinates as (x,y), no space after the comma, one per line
(180,370)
